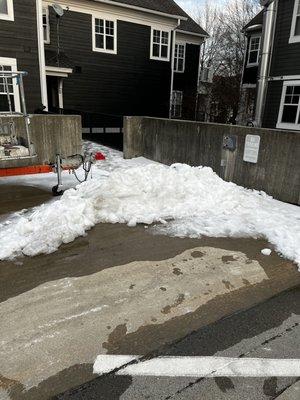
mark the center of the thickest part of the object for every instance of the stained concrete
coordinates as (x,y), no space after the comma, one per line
(124,291)
(50,134)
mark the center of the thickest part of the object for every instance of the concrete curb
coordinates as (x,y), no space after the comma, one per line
(292,393)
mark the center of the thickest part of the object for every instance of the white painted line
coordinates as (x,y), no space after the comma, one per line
(198,367)
(108,363)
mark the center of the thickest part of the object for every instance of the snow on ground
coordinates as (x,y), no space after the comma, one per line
(185,201)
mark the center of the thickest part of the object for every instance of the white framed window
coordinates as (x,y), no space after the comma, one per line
(105,35)
(7,10)
(179,57)
(295,29)
(160,45)
(46,25)
(254,50)
(289,113)
(177,98)
(8,86)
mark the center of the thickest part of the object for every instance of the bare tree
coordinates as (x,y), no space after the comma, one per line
(225,49)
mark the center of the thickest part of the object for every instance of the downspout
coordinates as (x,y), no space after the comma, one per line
(172,67)
(267,47)
(200,69)
(41,52)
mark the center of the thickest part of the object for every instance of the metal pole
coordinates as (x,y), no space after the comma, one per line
(172,68)
(8,95)
(26,116)
(58,167)
(267,45)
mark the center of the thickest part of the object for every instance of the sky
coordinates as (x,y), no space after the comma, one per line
(190,5)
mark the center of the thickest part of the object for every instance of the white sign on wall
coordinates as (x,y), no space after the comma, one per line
(251,150)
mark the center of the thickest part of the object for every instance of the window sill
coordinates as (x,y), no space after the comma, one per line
(179,72)
(7,17)
(96,50)
(252,65)
(291,127)
(160,59)
(294,39)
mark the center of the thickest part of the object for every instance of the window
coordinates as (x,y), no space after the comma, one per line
(295,31)
(105,36)
(160,45)
(289,114)
(177,98)
(254,49)
(179,57)
(8,86)
(7,10)
(46,25)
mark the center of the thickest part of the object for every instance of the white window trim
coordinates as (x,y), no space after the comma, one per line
(294,38)
(12,62)
(46,9)
(283,125)
(152,57)
(258,51)
(174,105)
(105,18)
(10,12)
(184,57)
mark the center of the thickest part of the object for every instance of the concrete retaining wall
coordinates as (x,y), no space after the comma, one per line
(50,135)
(277,171)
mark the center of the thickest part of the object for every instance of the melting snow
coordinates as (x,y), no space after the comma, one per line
(185,201)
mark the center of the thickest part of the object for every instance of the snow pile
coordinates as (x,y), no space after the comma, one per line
(188,201)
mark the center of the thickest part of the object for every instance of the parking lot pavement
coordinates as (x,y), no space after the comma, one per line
(270,330)
(122,290)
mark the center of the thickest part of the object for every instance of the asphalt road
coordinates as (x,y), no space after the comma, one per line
(269,330)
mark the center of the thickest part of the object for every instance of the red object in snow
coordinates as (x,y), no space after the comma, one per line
(99,156)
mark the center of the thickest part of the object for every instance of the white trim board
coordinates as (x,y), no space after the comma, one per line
(285,125)
(293,37)
(284,78)
(249,51)
(58,71)
(180,43)
(189,38)
(12,62)
(152,57)
(10,12)
(105,18)
(41,51)
(99,10)
(120,4)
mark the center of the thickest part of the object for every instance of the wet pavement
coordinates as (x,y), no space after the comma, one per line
(122,290)
(269,330)
(16,197)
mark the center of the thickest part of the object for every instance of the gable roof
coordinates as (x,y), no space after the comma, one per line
(167,7)
(257,20)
